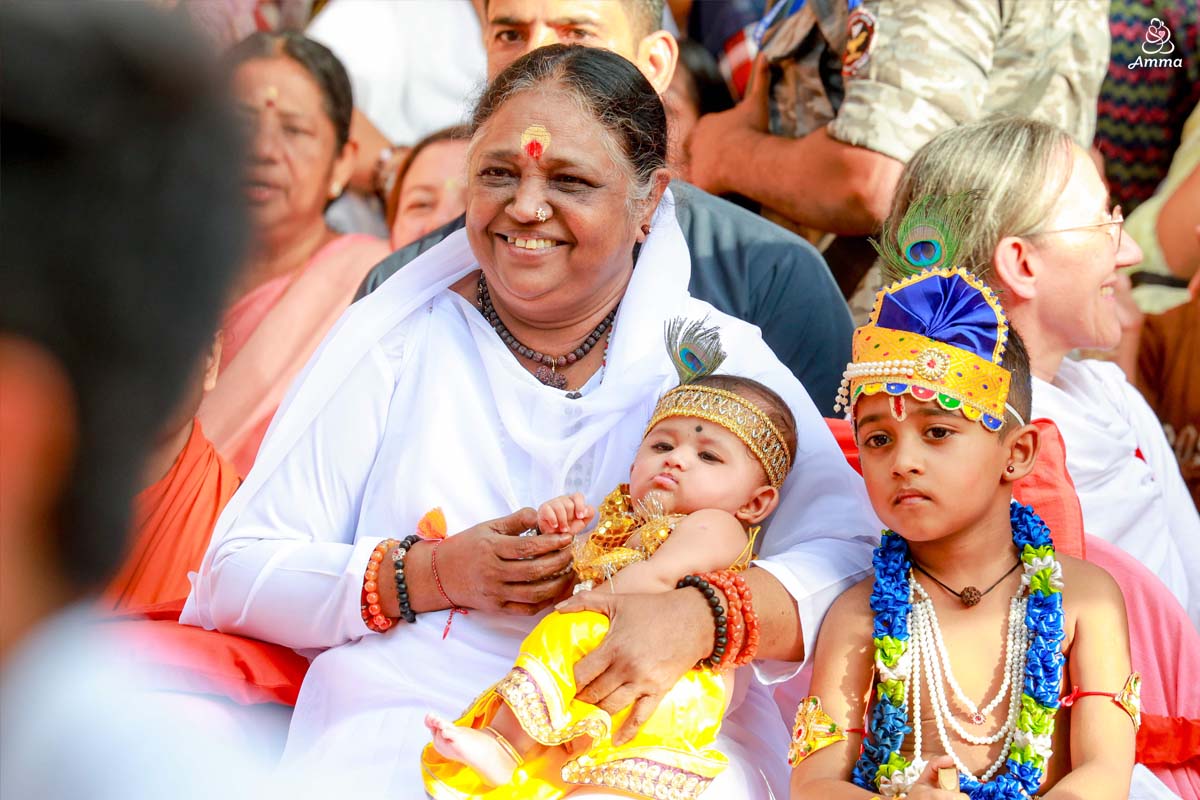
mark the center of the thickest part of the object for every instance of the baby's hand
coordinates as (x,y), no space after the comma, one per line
(566,514)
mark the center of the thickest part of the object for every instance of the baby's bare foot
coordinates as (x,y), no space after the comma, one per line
(479,750)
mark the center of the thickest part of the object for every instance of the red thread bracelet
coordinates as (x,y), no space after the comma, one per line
(437,581)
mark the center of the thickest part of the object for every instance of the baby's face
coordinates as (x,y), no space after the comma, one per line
(693,464)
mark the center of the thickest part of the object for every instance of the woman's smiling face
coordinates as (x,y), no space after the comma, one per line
(1082,253)
(582,249)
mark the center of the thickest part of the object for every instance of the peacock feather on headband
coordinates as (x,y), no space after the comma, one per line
(696,352)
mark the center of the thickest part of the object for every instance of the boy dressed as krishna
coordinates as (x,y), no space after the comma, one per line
(976,662)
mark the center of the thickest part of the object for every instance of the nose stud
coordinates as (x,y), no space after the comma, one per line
(541,214)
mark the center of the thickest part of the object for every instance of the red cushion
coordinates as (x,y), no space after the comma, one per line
(191,659)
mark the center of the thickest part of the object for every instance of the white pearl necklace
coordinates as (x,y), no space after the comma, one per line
(925,640)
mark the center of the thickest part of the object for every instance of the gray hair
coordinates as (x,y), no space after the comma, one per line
(1014,167)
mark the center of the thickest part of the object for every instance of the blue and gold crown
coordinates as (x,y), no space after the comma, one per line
(938,333)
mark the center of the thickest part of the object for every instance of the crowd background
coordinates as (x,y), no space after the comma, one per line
(354,115)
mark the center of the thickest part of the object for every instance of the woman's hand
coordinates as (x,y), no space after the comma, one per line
(491,567)
(653,640)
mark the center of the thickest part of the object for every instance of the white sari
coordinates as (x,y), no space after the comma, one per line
(1129,485)
(414,402)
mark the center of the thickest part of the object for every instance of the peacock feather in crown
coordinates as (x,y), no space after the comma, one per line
(937,333)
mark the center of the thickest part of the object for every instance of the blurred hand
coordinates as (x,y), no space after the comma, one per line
(490,567)
(926,787)
(652,641)
(713,146)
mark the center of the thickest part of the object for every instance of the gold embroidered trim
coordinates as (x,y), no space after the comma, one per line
(643,776)
(530,707)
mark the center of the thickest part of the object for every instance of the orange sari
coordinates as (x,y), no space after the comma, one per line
(269,335)
(174,519)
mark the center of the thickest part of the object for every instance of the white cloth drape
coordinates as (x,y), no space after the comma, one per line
(414,402)
(1140,504)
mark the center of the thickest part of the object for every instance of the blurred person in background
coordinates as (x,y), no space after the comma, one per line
(295,100)
(745,266)
(1152,85)
(114,118)
(415,66)
(431,187)
(696,89)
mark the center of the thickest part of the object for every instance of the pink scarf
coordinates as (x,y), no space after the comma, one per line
(269,335)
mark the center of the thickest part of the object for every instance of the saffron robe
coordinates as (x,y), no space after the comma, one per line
(174,518)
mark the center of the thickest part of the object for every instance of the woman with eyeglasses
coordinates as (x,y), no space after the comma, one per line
(1044,236)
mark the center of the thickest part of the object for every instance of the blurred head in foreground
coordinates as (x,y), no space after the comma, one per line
(122,223)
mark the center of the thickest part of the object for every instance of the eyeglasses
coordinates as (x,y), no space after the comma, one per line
(1115,225)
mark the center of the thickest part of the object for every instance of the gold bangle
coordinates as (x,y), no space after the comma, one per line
(505,745)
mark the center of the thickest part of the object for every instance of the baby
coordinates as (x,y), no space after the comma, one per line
(708,471)
(957,646)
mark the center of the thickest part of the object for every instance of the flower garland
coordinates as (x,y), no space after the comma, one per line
(881,767)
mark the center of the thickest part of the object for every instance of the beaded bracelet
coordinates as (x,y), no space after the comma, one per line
(720,632)
(398,558)
(733,611)
(737,594)
(372,612)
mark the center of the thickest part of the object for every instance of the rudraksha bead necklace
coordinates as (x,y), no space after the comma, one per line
(548,365)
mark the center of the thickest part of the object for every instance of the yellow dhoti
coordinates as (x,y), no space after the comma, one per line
(671,757)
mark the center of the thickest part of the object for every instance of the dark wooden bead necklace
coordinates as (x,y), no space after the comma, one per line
(548,365)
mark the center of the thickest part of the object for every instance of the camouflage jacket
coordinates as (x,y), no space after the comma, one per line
(915,68)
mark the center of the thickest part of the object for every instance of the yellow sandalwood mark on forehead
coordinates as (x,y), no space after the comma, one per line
(535,140)
(270,96)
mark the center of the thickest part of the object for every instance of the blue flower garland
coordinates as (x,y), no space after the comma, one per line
(881,766)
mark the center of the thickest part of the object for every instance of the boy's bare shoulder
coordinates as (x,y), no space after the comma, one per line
(1087,585)
(853,607)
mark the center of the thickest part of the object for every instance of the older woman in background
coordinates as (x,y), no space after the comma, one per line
(1043,233)
(296,101)
(446,388)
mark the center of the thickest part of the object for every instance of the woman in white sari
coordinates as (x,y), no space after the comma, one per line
(417,400)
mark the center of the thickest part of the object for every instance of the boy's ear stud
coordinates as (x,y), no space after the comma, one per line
(1010,469)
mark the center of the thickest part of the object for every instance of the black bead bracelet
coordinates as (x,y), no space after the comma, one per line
(398,556)
(720,622)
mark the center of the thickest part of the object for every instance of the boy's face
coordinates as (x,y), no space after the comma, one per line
(695,464)
(934,474)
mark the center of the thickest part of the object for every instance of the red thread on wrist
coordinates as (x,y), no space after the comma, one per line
(437,581)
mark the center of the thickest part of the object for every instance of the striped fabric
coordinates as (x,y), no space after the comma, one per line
(1142,108)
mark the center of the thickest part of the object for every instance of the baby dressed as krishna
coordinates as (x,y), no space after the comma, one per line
(709,470)
(950,672)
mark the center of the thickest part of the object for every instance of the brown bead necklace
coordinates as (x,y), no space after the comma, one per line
(969,596)
(548,365)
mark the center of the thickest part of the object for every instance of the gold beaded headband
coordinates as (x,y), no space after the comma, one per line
(735,414)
